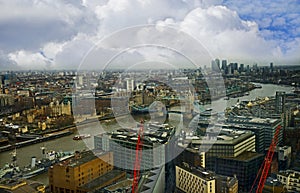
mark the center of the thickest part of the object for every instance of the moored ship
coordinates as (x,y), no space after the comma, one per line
(36,167)
(82,136)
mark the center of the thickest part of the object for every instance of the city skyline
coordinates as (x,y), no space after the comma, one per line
(56,35)
(175,127)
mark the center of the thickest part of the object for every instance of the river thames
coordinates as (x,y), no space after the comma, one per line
(67,143)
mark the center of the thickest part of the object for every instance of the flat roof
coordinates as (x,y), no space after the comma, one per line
(103,179)
(19,186)
(245,156)
(120,185)
(252,120)
(84,157)
(290,173)
(225,136)
(152,134)
(198,171)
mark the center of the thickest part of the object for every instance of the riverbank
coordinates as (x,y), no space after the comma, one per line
(65,131)
(44,138)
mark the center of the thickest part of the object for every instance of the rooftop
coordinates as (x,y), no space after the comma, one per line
(152,134)
(290,173)
(125,184)
(252,120)
(149,180)
(245,156)
(98,182)
(19,186)
(225,136)
(83,157)
(229,181)
(198,171)
(273,182)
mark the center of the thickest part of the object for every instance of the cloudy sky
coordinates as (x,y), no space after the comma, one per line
(47,34)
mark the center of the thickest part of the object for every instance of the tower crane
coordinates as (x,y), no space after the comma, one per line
(265,167)
(138,158)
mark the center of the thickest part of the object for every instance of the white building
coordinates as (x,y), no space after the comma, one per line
(284,153)
(290,179)
(130,85)
(226,143)
(189,179)
(80,80)
(156,146)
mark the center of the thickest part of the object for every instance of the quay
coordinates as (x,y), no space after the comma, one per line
(40,139)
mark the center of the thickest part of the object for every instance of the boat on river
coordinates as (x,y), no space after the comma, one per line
(36,166)
(258,86)
(137,109)
(81,136)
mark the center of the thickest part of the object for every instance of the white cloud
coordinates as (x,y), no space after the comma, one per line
(6,63)
(30,24)
(227,36)
(117,14)
(64,31)
(51,49)
(28,60)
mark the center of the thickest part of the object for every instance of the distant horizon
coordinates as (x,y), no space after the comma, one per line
(136,70)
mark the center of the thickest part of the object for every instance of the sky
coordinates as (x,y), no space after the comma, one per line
(47,34)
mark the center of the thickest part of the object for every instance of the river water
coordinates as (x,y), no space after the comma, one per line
(67,143)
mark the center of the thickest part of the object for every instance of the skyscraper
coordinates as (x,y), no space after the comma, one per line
(130,85)
(242,68)
(224,65)
(215,65)
(271,66)
(280,101)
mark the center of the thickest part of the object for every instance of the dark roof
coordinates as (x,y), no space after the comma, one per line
(98,182)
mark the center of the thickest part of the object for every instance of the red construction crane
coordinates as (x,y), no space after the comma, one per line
(138,159)
(265,167)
